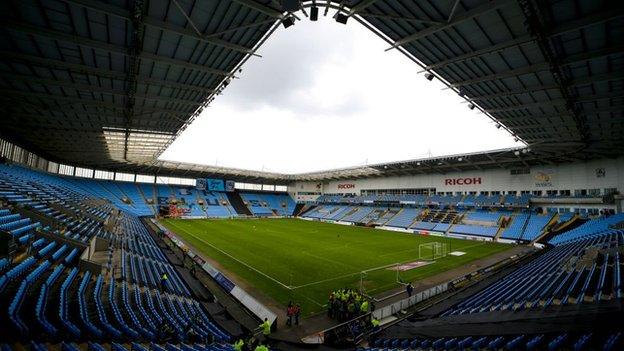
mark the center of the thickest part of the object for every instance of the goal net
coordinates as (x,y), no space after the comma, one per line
(432,250)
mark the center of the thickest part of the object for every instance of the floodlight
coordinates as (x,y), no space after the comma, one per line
(314,13)
(471,106)
(288,21)
(429,76)
(341,18)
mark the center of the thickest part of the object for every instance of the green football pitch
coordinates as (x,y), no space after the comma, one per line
(303,261)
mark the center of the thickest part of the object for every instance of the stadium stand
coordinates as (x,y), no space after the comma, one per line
(515,230)
(404,218)
(105,309)
(94,91)
(557,341)
(575,271)
(468,229)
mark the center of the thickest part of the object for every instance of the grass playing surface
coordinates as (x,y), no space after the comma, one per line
(303,261)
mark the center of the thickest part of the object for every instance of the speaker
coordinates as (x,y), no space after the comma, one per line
(314,13)
(291,5)
(288,22)
(341,18)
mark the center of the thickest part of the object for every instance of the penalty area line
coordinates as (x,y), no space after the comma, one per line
(344,276)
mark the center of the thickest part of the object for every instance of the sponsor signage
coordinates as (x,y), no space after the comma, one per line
(462,181)
(200,183)
(543,180)
(346,186)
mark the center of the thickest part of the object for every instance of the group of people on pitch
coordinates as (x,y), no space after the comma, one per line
(345,304)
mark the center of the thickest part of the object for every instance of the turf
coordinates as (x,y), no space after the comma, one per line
(291,259)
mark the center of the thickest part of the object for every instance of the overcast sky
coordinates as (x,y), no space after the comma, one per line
(325,95)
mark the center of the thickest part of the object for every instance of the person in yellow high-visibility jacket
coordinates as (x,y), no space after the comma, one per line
(238,345)
(364,306)
(266,327)
(261,348)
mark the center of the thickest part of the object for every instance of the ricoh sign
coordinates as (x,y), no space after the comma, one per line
(463,181)
(346,186)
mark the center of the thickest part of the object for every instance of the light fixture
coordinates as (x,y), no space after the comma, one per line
(341,18)
(417,163)
(517,153)
(314,13)
(429,76)
(498,126)
(516,140)
(288,21)
(460,159)
(471,106)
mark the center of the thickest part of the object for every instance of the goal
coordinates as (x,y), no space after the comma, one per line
(432,250)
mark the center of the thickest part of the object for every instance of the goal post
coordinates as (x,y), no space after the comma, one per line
(432,250)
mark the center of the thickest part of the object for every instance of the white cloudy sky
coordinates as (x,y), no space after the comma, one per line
(326,95)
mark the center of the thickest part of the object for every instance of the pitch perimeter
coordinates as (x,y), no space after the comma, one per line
(293,260)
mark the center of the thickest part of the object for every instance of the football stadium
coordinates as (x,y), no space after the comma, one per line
(107,245)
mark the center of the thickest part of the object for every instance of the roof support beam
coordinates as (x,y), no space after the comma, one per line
(95,71)
(95,44)
(9,94)
(269,11)
(158,24)
(536,27)
(361,6)
(542,66)
(556,102)
(155,23)
(134,65)
(397,18)
(488,50)
(470,14)
(559,30)
(534,88)
(93,88)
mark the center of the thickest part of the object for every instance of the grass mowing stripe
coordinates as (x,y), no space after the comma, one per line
(317,258)
(234,258)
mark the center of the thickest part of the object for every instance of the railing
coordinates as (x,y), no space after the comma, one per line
(408,302)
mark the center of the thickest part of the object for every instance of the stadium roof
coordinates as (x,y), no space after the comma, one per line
(110,84)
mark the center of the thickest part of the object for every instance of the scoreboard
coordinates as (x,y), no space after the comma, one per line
(215,184)
(211,184)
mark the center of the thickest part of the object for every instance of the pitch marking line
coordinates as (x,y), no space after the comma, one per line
(298,286)
(234,258)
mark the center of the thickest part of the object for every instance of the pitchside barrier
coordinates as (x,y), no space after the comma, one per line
(258,309)
(401,305)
